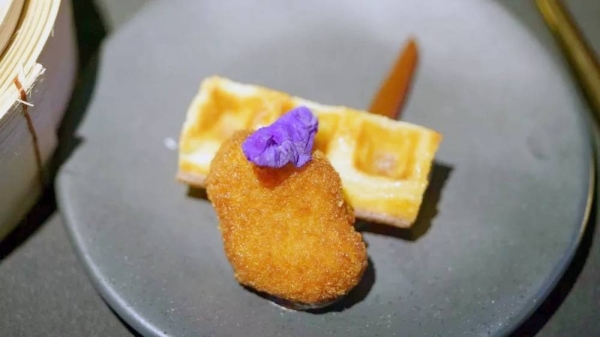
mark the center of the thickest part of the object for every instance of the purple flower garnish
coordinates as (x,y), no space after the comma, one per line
(289,139)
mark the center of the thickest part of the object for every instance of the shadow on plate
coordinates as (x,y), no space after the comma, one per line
(355,296)
(129,328)
(439,176)
(197,193)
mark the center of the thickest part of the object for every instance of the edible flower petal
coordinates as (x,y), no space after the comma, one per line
(289,139)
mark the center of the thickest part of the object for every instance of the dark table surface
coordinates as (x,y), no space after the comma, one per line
(45,292)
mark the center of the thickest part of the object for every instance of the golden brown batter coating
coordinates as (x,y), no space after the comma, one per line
(287,232)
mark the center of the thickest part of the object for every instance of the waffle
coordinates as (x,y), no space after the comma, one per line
(384,164)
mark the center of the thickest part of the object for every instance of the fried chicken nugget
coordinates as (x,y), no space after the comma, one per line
(287,232)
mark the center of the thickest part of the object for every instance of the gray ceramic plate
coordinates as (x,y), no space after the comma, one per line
(500,221)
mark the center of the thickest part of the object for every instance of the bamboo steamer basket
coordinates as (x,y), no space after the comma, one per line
(38,63)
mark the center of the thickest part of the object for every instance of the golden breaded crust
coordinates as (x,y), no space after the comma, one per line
(287,232)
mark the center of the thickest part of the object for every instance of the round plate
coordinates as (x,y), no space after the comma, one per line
(500,221)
